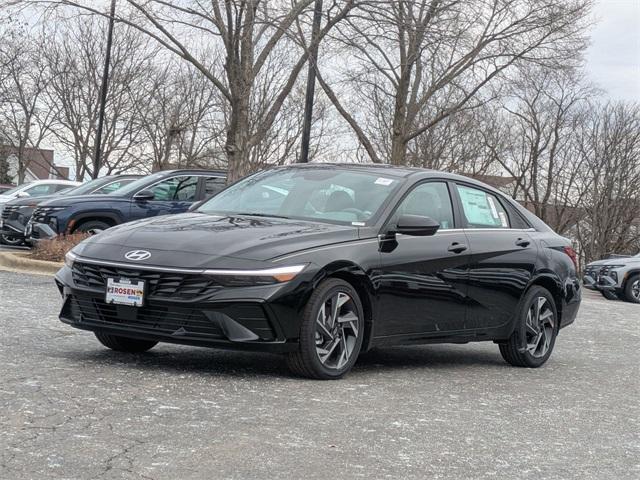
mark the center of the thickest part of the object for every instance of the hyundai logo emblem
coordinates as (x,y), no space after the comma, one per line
(137,255)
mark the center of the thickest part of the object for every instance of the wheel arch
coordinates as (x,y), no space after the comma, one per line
(354,275)
(108,217)
(553,284)
(629,275)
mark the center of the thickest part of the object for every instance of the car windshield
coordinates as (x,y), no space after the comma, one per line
(139,184)
(15,189)
(332,195)
(88,187)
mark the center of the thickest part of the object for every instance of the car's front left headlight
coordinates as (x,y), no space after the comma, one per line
(69,258)
(244,278)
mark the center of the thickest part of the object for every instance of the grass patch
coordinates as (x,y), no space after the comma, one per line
(55,249)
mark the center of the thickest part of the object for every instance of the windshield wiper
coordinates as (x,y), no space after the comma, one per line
(254,214)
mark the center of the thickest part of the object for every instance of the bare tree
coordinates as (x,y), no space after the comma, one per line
(609,143)
(24,122)
(75,58)
(535,142)
(241,36)
(416,62)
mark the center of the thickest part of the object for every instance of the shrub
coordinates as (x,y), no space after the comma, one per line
(54,250)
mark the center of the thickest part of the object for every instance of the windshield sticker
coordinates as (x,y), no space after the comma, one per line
(357,224)
(384,181)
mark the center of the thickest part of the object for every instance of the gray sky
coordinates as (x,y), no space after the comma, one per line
(613,60)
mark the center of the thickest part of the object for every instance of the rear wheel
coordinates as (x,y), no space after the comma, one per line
(92,227)
(124,344)
(538,325)
(609,295)
(331,332)
(632,289)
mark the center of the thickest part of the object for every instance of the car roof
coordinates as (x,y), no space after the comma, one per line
(192,171)
(400,171)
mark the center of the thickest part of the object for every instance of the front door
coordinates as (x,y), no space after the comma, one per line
(503,261)
(423,280)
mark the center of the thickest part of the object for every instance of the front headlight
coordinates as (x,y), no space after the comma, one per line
(238,278)
(69,258)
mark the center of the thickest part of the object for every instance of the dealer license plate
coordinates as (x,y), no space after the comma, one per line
(124,291)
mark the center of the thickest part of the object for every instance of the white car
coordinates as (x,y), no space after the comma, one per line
(36,188)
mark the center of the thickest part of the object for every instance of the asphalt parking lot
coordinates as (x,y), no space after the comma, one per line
(71,409)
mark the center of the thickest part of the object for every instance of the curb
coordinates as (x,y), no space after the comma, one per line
(19,262)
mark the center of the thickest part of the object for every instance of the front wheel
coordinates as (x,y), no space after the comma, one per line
(11,241)
(632,289)
(92,227)
(331,332)
(533,340)
(124,344)
(609,295)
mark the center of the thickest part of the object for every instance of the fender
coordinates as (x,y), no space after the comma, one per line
(112,215)
(354,274)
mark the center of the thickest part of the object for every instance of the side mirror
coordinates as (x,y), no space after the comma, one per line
(417,226)
(195,205)
(144,195)
(22,195)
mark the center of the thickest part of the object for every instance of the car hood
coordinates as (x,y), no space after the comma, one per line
(67,200)
(616,261)
(21,202)
(6,198)
(198,240)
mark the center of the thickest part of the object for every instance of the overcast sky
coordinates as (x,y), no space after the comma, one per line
(613,60)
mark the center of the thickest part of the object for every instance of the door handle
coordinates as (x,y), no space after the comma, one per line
(522,242)
(457,247)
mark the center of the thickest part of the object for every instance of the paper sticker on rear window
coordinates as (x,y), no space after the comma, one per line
(384,181)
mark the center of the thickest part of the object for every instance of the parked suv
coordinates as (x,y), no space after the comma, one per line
(161,193)
(16,214)
(615,277)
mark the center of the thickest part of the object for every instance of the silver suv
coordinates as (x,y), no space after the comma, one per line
(615,278)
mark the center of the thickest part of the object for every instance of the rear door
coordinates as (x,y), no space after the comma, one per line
(171,195)
(423,280)
(504,256)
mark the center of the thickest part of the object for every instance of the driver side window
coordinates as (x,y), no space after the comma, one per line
(430,199)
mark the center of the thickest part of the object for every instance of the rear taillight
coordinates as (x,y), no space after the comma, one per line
(572,255)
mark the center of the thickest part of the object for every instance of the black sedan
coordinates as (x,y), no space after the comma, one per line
(323,262)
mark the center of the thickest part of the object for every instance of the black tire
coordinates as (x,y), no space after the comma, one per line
(306,360)
(11,241)
(631,294)
(92,226)
(609,295)
(125,344)
(510,350)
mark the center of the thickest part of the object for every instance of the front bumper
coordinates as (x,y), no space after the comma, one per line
(242,321)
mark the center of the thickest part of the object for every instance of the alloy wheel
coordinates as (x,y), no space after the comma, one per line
(540,324)
(635,289)
(336,334)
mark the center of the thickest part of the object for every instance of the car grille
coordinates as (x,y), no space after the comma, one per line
(159,284)
(159,320)
(7,211)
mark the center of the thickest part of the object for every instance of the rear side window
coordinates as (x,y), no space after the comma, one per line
(482,209)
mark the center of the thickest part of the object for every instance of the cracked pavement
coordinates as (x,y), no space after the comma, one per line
(71,409)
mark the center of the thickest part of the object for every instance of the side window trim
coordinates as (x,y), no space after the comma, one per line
(454,211)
